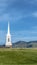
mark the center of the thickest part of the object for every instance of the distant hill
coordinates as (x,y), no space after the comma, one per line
(23,44)
(19,44)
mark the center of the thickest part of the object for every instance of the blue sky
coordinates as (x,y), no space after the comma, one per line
(22,16)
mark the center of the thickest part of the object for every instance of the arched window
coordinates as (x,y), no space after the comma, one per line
(8,39)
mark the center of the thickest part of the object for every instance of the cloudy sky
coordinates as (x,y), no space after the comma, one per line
(22,16)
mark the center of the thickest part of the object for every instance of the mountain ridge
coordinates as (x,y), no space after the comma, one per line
(23,44)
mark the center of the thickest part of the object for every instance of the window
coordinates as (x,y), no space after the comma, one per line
(8,39)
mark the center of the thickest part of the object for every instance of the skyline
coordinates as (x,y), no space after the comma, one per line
(22,16)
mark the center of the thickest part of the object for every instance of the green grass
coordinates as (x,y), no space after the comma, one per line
(18,56)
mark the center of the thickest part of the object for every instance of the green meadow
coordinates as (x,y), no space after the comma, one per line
(18,56)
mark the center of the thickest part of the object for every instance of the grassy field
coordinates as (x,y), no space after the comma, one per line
(18,56)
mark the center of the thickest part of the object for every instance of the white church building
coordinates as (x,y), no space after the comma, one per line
(8,38)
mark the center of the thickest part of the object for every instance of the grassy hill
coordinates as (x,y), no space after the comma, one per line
(18,56)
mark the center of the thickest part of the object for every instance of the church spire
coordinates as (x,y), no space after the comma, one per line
(8,28)
(8,38)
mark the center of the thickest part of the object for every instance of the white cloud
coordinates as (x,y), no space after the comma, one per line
(11,15)
(25,35)
(34,14)
(2,37)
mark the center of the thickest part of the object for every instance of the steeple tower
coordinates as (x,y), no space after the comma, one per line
(8,28)
(8,38)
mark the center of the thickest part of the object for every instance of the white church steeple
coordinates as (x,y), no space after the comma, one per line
(8,28)
(8,38)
